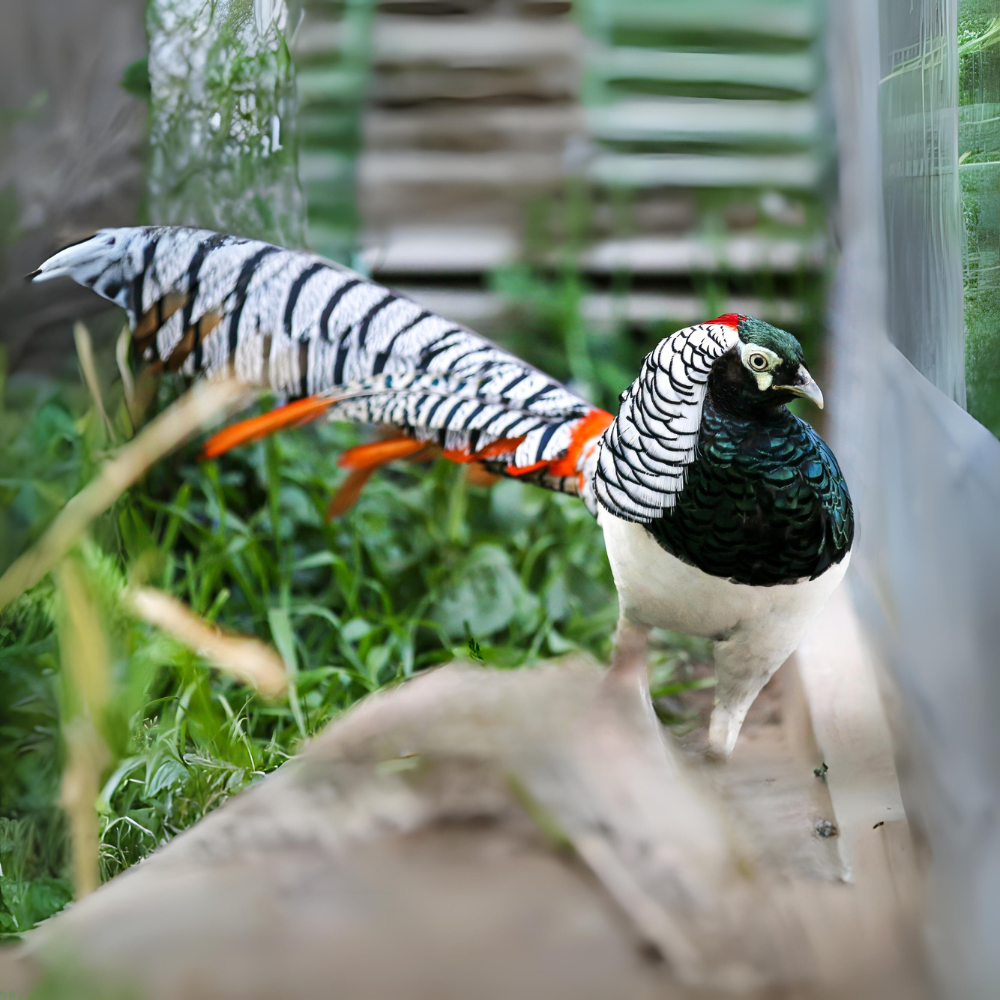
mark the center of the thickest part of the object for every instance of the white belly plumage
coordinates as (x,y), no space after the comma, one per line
(658,589)
(755,628)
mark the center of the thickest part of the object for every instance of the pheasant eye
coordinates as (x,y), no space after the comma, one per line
(758,362)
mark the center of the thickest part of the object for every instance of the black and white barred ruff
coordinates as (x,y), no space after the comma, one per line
(644,455)
(200,302)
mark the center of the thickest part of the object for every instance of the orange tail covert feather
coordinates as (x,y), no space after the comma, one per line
(348,492)
(301,411)
(592,426)
(363,460)
(371,456)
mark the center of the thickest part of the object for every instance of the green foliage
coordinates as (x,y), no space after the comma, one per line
(69,977)
(32,830)
(333,81)
(135,79)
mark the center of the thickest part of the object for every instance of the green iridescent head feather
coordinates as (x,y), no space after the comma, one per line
(756,331)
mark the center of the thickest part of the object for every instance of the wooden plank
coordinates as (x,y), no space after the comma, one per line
(451,250)
(479,170)
(474,128)
(486,311)
(471,249)
(792,20)
(682,255)
(407,85)
(462,42)
(853,736)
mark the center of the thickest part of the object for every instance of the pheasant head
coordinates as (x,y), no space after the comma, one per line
(764,370)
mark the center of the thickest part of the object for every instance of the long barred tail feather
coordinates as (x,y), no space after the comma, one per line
(336,345)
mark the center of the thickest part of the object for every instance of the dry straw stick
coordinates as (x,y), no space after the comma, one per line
(205,402)
(121,359)
(85,352)
(84,655)
(250,660)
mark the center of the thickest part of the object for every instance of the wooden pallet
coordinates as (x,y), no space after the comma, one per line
(479,116)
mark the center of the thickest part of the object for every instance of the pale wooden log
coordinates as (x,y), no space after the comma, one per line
(479,834)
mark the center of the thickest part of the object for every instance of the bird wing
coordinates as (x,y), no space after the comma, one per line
(336,344)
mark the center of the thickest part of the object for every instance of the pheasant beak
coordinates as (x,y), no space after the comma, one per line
(804,385)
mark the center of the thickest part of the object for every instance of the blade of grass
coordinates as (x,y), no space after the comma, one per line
(284,639)
(128,382)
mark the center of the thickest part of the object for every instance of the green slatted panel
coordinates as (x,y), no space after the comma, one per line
(332,49)
(719,93)
(695,22)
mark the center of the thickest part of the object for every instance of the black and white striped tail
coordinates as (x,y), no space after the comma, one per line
(199,302)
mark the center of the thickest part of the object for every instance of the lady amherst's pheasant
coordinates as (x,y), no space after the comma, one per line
(724,515)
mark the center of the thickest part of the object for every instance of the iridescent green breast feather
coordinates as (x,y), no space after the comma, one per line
(764,502)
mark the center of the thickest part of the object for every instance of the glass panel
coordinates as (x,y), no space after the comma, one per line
(979,173)
(918,109)
(924,475)
(222,119)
